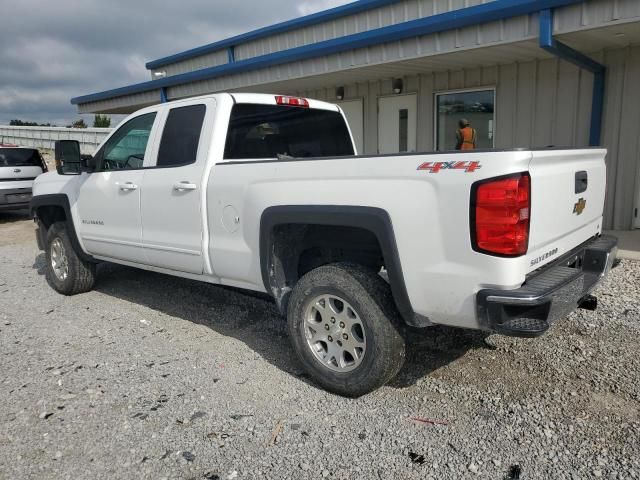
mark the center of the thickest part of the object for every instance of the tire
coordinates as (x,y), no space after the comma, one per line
(66,272)
(368,318)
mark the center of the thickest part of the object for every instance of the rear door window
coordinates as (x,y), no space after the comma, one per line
(19,157)
(273,131)
(181,136)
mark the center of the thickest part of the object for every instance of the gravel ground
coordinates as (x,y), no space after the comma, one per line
(156,377)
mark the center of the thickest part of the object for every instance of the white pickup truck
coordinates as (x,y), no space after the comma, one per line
(266,193)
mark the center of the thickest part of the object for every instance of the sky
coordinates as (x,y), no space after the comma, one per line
(55,50)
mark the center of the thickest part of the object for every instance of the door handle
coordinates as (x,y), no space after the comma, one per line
(127,187)
(184,186)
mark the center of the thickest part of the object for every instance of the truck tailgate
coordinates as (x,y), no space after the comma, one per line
(18,173)
(567,201)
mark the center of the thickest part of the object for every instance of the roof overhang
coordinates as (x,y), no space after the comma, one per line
(133,97)
(465,17)
(306,21)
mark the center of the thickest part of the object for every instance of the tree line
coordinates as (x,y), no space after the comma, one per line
(99,121)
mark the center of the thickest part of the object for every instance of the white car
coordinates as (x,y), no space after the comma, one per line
(19,167)
(266,192)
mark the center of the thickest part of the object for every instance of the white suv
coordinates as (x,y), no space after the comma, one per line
(19,167)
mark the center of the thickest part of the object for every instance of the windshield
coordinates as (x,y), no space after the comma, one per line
(19,157)
(270,131)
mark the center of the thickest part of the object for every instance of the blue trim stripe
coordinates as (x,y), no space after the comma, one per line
(308,20)
(565,52)
(488,12)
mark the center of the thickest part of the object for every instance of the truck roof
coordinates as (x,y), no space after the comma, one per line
(264,99)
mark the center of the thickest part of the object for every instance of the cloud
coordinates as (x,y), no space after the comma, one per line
(55,50)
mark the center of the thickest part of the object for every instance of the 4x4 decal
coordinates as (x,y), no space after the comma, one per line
(435,167)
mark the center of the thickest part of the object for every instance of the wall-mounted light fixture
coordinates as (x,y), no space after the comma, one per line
(398,85)
(160,74)
(340,93)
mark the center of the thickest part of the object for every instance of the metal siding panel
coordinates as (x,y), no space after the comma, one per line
(613,125)
(594,13)
(526,101)
(506,106)
(371,119)
(125,104)
(545,103)
(472,77)
(412,10)
(442,6)
(628,8)
(489,32)
(585,15)
(428,44)
(624,192)
(489,75)
(441,81)
(386,87)
(447,41)
(516,29)
(368,20)
(386,16)
(583,114)
(568,91)
(425,113)
(456,79)
(467,36)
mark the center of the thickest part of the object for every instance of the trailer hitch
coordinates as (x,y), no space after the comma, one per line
(589,302)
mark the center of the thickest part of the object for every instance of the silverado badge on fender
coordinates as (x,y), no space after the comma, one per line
(579,207)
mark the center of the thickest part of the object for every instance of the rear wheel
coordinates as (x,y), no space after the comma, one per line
(343,326)
(66,272)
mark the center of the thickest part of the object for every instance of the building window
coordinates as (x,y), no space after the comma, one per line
(474,106)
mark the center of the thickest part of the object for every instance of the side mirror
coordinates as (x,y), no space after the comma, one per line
(68,159)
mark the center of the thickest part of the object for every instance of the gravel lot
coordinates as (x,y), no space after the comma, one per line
(156,377)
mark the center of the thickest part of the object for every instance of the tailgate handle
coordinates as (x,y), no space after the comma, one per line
(582,181)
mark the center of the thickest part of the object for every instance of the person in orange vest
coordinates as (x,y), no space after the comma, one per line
(466,136)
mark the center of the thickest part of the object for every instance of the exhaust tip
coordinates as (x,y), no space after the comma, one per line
(589,302)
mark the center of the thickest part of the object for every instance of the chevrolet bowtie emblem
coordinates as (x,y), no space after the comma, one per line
(579,207)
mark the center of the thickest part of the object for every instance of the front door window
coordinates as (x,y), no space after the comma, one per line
(465,115)
(126,148)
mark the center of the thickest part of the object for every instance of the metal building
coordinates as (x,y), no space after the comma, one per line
(526,73)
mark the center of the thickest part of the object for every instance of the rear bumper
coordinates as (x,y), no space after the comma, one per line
(15,198)
(549,294)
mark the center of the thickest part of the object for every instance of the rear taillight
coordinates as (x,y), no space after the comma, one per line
(500,211)
(292,101)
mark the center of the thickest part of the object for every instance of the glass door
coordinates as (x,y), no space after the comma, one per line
(457,112)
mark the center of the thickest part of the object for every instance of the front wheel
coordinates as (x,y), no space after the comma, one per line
(66,272)
(343,326)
